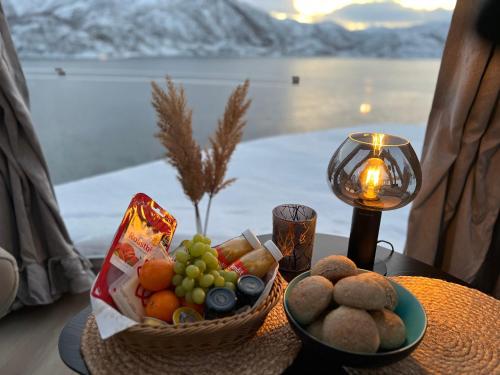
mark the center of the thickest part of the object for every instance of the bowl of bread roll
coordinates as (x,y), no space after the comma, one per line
(355,317)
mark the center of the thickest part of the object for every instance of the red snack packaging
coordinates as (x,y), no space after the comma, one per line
(144,227)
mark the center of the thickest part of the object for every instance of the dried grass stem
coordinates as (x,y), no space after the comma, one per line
(198,171)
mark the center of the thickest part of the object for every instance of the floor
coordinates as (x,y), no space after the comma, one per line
(29,337)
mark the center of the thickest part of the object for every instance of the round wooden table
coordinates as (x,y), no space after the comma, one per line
(324,245)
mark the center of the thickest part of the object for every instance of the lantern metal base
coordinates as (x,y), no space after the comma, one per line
(363,238)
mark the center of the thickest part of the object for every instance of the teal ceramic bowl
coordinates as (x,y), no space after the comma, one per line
(409,310)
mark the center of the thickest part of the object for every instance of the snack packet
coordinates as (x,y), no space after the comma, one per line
(125,293)
(128,294)
(144,227)
(233,249)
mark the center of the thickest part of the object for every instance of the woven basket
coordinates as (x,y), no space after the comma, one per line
(204,335)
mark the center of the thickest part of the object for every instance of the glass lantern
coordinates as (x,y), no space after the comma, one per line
(372,172)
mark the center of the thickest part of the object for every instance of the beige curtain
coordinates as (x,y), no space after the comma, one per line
(31,228)
(452,220)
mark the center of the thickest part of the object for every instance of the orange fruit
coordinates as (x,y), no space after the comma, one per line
(162,305)
(199,308)
(156,274)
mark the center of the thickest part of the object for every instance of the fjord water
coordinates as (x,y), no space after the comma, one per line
(98,117)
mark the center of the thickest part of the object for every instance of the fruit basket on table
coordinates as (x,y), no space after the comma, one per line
(197,296)
(207,334)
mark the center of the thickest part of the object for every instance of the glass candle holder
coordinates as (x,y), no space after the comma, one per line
(294,228)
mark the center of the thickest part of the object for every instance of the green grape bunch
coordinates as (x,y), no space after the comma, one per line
(197,269)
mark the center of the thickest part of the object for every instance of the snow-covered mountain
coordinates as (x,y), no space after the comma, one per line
(151,28)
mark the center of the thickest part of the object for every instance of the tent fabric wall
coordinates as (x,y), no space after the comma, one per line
(31,228)
(452,220)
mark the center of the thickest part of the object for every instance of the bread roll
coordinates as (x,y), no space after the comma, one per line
(391,295)
(316,328)
(360,292)
(391,329)
(309,298)
(351,329)
(334,267)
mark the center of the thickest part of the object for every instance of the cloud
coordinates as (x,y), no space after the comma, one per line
(360,15)
(388,12)
(283,6)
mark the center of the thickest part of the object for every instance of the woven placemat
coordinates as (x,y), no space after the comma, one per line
(271,351)
(463,331)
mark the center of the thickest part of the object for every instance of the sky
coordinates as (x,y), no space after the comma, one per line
(359,14)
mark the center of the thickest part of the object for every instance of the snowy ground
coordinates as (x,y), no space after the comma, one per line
(270,171)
